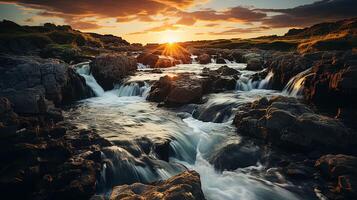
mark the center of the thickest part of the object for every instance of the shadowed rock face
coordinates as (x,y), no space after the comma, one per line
(204,59)
(109,69)
(44,160)
(293,125)
(186,185)
(181,89)
(30,81)
(341,171)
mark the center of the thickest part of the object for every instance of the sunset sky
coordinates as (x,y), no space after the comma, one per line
(147,21)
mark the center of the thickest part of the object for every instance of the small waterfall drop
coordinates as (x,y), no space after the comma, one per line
(245,83)
(133,89)
(83,69)
(194,59)
(265,83)
(142,66)
(296,84)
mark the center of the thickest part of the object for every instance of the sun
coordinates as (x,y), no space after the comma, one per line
(171,40)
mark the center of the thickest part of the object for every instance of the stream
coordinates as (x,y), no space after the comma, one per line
(195,133)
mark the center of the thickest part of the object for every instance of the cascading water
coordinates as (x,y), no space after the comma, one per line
(83,69)
(245,82)
(136,126)
(194,59)
(296,84)
(133,89)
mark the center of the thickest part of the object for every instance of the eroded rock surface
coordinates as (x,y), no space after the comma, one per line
(186,185)
(109,69)
(293,125)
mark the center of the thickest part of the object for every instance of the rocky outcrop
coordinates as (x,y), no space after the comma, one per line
(204,59)
(43,160)
(30,83)
(187,88)
(224,78)
(254,61)
(109,69)
(292,125)
(341,172)
(176,90)
(148,59)
(333,82)
(186,185)
(236,155)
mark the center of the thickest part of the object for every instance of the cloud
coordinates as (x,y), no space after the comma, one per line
(212,25)
(163,27)
(309,14)
(236,31)
(239,13)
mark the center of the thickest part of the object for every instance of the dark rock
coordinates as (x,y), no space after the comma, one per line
(292,125)
(220,61)
(28,82)
(109,69)
(178,90)
(341,171)
(204,59)
(186,185)
(236,155)
(148,59)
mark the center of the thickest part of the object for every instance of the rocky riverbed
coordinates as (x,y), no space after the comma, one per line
(221,124)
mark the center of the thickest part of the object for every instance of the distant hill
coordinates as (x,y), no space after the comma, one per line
(57,41)
(339,35)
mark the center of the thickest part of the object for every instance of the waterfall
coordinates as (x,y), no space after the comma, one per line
(133,89)
(194,59)
(142,66)
(83,69)
(296,84)
(245,83)
(265,83)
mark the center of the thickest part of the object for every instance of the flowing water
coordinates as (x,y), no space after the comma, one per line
(296,85)
(136,126)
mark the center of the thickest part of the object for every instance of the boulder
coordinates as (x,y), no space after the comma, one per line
(235,155)
(164,63)
(254,61)
(288,123)
(177,90)
(148,59)
(341,171)
(186,185)
(204,59)
(220,61)
(109,69)
(25,80)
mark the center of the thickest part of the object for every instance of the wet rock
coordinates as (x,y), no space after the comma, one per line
(178,90)
(236,155)
(186,185)
(292,125)
(26,80)
(227,71)
(109,69)
(164,63)
(220,61)
(333,82)
(204,59)
(341,171)
(254,61)
(148,59)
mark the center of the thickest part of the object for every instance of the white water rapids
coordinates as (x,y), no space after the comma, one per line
(131,123)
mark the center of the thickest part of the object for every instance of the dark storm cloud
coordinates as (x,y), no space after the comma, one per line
(305,15)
